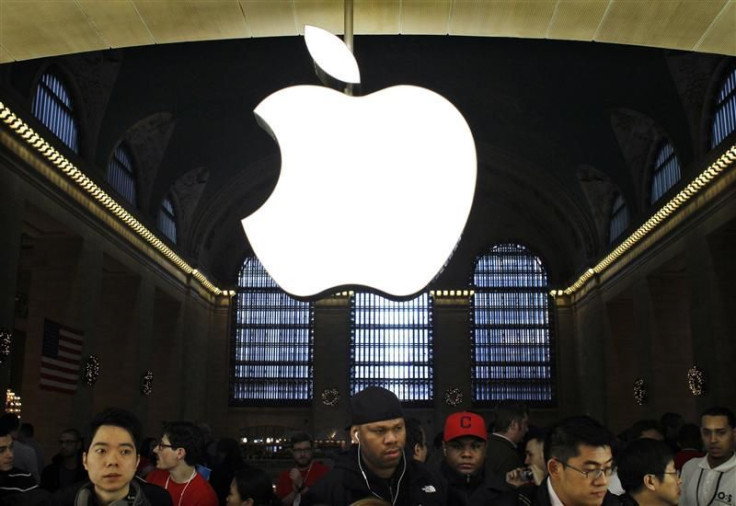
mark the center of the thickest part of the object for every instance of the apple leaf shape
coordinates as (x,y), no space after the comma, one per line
(331,55)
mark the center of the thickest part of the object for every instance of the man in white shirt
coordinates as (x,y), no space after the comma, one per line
(711,480)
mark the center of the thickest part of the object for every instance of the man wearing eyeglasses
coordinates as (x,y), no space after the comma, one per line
(179,450)
(647,472)
(295,482)
(577,453)
(711,480)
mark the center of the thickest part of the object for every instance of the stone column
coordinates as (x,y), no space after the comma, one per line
(11,217)
(331,365)
(452,355)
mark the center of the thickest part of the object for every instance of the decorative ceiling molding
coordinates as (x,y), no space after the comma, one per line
(33,29)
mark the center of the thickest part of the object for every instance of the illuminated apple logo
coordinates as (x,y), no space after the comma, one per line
(373,191)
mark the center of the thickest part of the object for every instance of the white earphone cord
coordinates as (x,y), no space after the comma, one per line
(398,485)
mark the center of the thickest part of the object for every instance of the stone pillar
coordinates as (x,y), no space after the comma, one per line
(194,342)
(568,386)
(452,355)
(84,308)
(11,217)
(590,354)
(141,333)
(331,365)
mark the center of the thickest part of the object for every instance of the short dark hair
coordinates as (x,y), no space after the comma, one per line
(301,437)
(564,438)
(639,458)
(117,418)
(77,434)
(720,411)
(27,429)
(254,483)
(642,426)
(414,434)
(507,412)
(188,436)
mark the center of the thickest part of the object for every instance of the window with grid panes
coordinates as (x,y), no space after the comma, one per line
(52,105)
(724,118)
(391,346)
(120,173)
(666,172)
(167,219)
(272,342)
(511,330)
(619,218)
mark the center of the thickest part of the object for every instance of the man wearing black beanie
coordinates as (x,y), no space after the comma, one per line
(376,465)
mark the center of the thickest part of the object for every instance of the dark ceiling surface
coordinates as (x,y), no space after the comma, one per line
(559,128)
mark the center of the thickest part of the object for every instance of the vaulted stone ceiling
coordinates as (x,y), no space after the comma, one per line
(559,125)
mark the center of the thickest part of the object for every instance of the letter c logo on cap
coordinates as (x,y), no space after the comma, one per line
(465,422)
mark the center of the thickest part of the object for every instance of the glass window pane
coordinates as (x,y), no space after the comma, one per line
(512,348)
(52,105)
(167,220)
(120,173)
(666,172)
(619,218)
(724,117)
(271,355)
(391,346)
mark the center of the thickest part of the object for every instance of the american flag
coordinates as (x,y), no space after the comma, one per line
(61,356)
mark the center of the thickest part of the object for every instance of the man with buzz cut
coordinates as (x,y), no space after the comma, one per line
(646,468)
(376,465)
(179,450)
(111,460)
(711,480)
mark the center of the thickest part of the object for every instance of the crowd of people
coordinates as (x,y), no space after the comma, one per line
(507,461)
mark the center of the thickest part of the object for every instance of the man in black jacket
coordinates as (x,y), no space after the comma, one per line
(464,448)
(111,460)
(66,467)
(376,465)
(577,452)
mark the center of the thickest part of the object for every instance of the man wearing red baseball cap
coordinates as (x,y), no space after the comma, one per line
(464,447)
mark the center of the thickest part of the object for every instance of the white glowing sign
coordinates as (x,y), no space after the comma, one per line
(373,190)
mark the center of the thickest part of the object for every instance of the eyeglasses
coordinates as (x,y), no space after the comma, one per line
(676,472)
(160,444)
(593,474)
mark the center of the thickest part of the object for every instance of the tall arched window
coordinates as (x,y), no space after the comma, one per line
(666,172)
(391,346)
(272,342)
(120,173)
(167,219)
(52,105)
(619,218)
(512,348)
(724,118)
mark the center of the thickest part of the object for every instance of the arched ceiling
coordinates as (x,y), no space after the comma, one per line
(34,29)
(539,109)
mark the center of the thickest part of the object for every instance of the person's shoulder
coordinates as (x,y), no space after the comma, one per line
(65,496)
(321,467)
(155,494)
(692,464)
(157,477)
(207,494)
